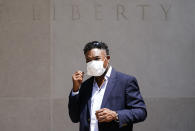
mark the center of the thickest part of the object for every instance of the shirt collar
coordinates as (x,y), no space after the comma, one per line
(106,76)
(108,72)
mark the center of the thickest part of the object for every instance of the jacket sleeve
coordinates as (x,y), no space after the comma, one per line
(74,107)
(135,110)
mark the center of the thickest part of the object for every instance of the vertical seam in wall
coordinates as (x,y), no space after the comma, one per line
(51,63)
(193,58)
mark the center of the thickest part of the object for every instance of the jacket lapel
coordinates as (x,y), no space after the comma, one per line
(110,85)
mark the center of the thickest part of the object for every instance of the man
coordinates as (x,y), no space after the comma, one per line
(107,101)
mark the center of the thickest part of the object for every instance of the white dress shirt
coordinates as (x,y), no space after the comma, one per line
(96,99)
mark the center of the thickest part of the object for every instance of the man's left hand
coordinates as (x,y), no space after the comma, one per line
(106,115)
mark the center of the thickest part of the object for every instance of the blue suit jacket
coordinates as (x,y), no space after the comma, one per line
(122,95)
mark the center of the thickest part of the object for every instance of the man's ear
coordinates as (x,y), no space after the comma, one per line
(108,57)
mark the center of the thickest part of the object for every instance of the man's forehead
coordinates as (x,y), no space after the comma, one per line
(95,52)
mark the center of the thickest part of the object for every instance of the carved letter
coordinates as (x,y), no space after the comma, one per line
(75,12)
(143,9)
(165,10)
(36,12)
(54,11)
(97,12)
(121,11)
(1,5)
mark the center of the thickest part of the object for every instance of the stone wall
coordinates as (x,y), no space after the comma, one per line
(41,44)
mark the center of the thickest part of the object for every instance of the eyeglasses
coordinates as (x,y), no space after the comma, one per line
(97,43)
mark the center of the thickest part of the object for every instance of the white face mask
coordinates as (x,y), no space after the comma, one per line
(95,68)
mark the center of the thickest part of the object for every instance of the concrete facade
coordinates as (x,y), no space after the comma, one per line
(41,44)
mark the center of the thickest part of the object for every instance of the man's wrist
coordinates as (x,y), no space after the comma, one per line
(116,119)
(75,90)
